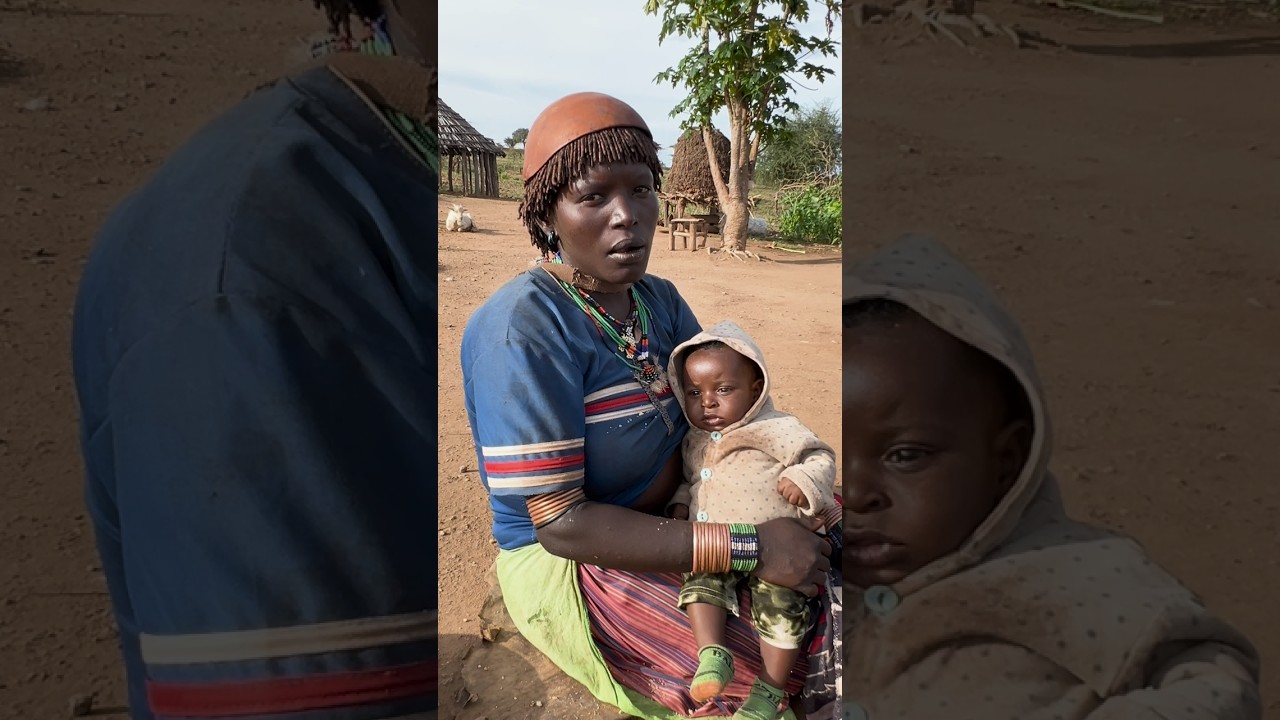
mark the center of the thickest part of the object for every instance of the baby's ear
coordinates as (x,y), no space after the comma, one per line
(1012,448)
(757,387)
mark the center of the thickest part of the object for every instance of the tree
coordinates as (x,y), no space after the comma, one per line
(807,148)
(746,52)
(517,138)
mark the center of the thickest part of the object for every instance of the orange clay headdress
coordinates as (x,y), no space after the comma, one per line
(566,140)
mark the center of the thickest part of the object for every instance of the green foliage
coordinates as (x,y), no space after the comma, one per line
(806,148)
(518,137)
(510,186)
(746,69)
(812,215)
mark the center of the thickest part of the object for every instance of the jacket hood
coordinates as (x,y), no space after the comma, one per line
(735,337)
(926,277)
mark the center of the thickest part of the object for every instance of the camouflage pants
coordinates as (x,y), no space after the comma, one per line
(780,615)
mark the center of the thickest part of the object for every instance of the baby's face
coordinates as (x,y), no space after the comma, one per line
(720,386)
(926,457)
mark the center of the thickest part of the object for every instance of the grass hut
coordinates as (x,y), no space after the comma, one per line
(689,181)
(471,167)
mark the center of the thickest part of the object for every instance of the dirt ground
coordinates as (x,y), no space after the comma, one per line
(1121,196)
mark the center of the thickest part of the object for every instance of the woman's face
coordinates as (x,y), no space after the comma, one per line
(606,220)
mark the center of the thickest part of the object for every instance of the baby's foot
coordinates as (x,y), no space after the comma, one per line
(715,670)
(762,704)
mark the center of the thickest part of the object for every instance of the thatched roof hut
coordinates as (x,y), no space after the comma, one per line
(471,156)
(689,180)
(690,174)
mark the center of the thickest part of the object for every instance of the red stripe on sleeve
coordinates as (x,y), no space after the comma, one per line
(512,466)
(286,695)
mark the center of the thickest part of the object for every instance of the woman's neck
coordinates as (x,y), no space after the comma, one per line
(565,271)
(617,304)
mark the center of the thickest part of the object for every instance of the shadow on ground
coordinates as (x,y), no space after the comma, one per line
(31,9)
(12,67)
(1229,47)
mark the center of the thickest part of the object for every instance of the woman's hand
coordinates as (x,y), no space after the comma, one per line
(793,555)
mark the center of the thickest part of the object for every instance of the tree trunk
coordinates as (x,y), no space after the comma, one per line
(734,228)
(733,194)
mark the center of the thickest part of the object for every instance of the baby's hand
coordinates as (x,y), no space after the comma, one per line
(792,493)
(680,511)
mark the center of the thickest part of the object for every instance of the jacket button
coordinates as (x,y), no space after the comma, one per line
(715,436)
(854,711)
(880,600)
(702,516)
(705,474)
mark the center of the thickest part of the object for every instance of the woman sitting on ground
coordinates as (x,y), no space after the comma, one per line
(578,436)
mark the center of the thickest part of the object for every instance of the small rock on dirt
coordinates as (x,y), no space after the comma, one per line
(464,697)
(80,705)
(39,104)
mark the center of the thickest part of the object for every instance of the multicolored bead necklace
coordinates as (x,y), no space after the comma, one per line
(627,345)
(419,135)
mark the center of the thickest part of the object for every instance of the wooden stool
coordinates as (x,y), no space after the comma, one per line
(689,230)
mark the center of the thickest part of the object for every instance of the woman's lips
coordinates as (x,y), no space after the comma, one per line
(630,255)
(629,250)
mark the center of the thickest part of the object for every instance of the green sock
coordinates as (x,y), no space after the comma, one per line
(762,704)
(715,670)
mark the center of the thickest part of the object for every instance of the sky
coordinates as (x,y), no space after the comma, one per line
(499,69)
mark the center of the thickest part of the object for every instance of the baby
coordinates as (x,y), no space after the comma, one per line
(746,463)
(976,596)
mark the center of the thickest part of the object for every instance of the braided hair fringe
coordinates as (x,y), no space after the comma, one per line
(618,145)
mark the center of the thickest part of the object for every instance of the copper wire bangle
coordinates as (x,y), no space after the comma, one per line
(711,548)
(832,517)
(547,508)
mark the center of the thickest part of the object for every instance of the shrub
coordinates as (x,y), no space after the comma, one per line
(811,214)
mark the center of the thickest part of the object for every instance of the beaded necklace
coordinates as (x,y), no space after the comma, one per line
(419,135)
(630,347)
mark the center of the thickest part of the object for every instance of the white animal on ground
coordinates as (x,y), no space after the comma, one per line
(459,219)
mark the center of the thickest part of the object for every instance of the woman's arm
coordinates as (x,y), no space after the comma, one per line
(791,555)
(620,538)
